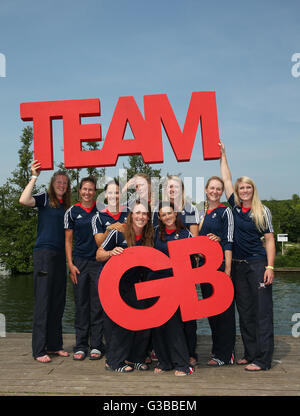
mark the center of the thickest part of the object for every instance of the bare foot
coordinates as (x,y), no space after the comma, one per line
(44,359)
(242,361)
(192,361)
(61,353)
(180,373)
(253,367)
(158,370)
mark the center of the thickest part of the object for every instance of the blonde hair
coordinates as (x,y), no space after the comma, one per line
(257,208)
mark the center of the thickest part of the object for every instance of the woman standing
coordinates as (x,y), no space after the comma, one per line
(253,268)
(125,345)
(169,340)
(84,273)
(173,191)
(49,263)
(218,221)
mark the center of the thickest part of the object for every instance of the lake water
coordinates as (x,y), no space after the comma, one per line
(16,303)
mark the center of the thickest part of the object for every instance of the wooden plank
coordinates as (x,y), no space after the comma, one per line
(21,375)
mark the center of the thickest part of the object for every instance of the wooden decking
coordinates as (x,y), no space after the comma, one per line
(22,376)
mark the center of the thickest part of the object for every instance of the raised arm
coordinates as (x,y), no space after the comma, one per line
(26,197)
(225,172)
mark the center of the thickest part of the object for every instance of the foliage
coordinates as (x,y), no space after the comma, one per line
(137,165)
(286,217)
(18,223)
(290,259)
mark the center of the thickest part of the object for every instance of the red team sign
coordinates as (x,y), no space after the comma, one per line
(178,290)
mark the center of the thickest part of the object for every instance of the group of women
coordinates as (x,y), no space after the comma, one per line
(87,238)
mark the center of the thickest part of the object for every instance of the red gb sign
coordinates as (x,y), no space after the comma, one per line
(146,130)
(176,291)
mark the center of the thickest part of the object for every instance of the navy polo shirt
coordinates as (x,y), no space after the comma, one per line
(189,215)
(78,219)
(247,243)
(50,229)
(219,221)
(163,247)
(102,219)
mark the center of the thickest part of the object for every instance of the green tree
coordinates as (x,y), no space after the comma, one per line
(137,165)
(18,223)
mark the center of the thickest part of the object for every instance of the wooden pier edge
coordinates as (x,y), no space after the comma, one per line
(21,375)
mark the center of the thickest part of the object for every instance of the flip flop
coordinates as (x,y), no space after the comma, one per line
(82,353)
(122,369)
(95,351)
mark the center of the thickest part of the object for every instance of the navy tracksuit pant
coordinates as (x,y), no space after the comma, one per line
(49,279)
(89,315)
(255,306)
(170,345)
(123,344)
(223,328)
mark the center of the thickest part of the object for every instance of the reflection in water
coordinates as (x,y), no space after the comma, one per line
(16,303)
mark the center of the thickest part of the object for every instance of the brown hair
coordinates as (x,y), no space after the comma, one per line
(161,227)
(67,197)
(90,179)
(147,233)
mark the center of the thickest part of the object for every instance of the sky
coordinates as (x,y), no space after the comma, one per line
(242,50)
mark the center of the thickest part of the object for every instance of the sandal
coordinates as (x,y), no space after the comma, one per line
(215,362)
(140,366)
(82,356)
(95,354)
(122,369)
